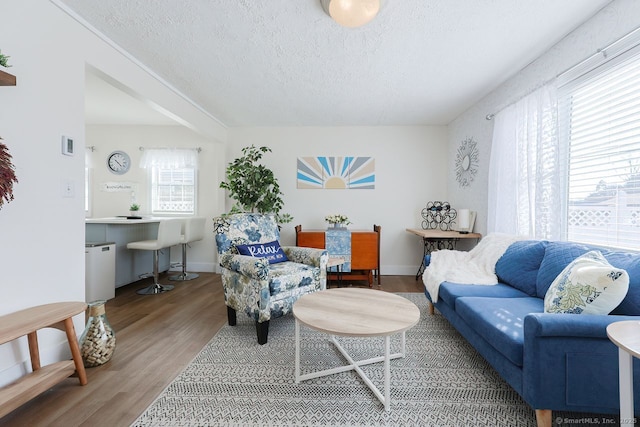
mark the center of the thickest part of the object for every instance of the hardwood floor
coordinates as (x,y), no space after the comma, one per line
(156,337)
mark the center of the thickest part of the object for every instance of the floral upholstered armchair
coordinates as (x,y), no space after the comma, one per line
(259,277)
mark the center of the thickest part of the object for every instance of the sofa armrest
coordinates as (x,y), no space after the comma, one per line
(309,256)
(569,363)
(254,268)
(570,325)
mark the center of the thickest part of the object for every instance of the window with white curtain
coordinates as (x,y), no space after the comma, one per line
(173,180)
(565,159)
(599,114)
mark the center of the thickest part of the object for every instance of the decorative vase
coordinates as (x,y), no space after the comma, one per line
(98,341)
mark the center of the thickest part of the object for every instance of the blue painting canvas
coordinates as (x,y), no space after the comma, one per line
(336,173)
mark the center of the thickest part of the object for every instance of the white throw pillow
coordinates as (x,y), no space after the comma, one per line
(589,285)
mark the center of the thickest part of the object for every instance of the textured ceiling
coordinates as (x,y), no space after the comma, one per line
(286,63)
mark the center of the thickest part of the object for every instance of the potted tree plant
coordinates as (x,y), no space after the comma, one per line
(253,186)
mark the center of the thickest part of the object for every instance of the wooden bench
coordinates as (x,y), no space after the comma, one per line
(27,322)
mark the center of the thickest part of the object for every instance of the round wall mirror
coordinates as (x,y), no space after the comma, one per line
(466,162)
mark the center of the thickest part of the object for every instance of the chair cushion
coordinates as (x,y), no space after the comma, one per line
(520,263)
(500,322)
(289,275)
(270,250)
(588,285)
(145,245)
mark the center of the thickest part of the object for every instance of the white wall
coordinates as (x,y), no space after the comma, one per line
(409,173)
(42,233)
(211,161)
(611,23)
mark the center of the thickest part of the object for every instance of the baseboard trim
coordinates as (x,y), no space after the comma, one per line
(197,267)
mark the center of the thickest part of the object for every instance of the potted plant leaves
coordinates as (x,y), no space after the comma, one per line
(4,62)
(133,211)
(253,186)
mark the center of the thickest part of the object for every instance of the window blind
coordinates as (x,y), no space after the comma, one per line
(599,114)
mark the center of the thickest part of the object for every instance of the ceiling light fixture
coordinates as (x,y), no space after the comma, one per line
(351,13)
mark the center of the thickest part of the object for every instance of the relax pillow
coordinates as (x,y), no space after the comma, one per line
(588,285)
(271,250)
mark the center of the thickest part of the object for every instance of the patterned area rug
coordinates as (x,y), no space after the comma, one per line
(443,381)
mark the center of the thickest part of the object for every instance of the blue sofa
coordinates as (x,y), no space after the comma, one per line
(556,362)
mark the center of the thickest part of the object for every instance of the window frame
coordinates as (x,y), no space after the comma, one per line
(154,172)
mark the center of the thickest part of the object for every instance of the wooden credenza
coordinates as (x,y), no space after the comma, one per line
(365,251)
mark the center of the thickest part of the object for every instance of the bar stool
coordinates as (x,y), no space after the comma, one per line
(193,230)
(168,235)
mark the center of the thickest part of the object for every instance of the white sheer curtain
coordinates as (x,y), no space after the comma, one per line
(169,158)
(525,171)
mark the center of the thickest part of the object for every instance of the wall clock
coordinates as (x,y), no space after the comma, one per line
(118,162)
(467,162)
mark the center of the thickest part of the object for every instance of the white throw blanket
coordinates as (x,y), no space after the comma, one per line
(474,267)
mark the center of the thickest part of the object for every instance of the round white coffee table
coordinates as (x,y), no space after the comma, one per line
(356,312)
(626,336)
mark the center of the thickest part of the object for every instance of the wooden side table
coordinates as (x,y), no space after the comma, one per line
(626,335)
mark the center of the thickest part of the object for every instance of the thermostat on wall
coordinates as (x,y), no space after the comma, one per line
(67,145)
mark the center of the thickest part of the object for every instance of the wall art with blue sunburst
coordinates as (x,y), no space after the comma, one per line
(336,172)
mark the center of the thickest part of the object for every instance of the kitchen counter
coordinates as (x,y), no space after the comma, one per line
(122,220)
(130,264)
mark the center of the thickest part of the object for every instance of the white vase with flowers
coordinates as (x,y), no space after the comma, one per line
(337,221)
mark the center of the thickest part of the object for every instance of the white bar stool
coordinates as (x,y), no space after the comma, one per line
(193,230)
(168,235)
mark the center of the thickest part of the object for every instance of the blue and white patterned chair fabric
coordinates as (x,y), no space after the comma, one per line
(254,286)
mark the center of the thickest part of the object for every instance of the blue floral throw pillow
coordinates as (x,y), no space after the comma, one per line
(588,285)
(271,250)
